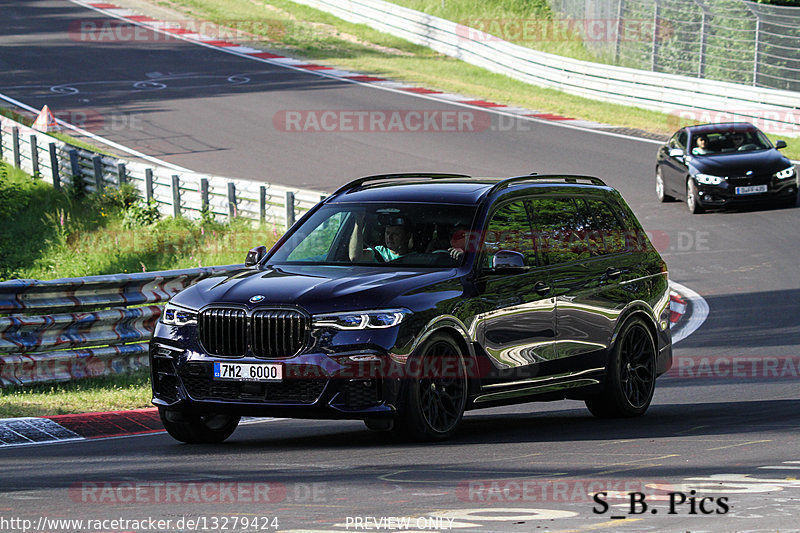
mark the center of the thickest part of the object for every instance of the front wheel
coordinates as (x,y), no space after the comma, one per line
(693,198)
(630,374)
(436,391)
(198,429)
(660,194)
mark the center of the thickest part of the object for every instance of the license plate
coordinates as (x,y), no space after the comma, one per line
(248,372)
(752,189)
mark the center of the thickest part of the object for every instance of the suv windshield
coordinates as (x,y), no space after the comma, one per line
(408,234)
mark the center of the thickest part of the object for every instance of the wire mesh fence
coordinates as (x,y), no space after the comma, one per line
(726,40)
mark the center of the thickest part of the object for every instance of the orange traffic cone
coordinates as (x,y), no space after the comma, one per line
(46,122)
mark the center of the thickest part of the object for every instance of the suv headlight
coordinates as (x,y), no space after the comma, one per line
(785,173)
(178,316)
(377,319)
(708,179)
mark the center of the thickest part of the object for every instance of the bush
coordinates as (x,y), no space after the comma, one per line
(141,213)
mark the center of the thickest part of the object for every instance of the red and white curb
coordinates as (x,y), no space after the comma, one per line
(175,30)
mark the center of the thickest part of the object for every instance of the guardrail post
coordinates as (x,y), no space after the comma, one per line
(289,209)
(54,167)
(148,184)
(656,36)
(205,205)
(97,163)
(262,203)
(176,196)
(620,29)
(231,200)
(34,155)
(75,168)
(122,177)
(1,141)
(15,145)
(757,51)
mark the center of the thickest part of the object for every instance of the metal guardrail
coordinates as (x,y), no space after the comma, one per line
(82,327)
(176,193)
(772,109)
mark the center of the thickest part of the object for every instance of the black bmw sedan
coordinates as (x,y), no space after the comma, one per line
(715,165)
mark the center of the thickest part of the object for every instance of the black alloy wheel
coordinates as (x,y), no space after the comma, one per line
(630,375)
(436,391)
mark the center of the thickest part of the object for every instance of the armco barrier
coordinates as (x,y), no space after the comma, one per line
(80,327)
(176,193)
(774,110)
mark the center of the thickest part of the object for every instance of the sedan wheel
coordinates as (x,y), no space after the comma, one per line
(662,196)
(437,394)
(198,429)
(630,375)
(693,198)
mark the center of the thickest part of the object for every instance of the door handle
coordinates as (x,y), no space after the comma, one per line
(613,273)
(541,288)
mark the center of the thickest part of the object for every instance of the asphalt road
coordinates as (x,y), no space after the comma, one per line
(725,432)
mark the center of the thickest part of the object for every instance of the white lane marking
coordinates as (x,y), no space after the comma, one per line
(698,315)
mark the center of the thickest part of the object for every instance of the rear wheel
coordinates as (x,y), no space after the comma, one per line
(630,374)
(198,429)
(693,198)
(662,196)
(437,394)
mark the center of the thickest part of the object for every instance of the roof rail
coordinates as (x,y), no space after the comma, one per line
(408,175)
(554,178)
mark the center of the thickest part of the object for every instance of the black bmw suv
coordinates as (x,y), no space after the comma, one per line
(406,299)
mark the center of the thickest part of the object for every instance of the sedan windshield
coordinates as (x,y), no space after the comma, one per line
(729,141)
(407,234)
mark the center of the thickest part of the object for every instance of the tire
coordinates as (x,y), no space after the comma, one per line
(630,374)
(693,198)
(198,429)
(437,396)
(660,194)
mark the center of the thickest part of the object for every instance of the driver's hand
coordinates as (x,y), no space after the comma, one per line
(456,253)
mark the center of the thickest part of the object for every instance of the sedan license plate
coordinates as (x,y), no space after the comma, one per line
(752,189)
(248,372)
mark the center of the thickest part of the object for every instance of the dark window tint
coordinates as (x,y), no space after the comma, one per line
(560,230)
(509,229)
(605,234)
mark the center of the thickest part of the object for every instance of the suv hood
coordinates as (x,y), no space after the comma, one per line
(315,288)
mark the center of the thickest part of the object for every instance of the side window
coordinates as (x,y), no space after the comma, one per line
(606,233)
(682,138)
(560,230)
(509,229)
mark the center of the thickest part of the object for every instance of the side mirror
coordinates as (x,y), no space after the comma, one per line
(508,262)
(255,255)
(675,152)
(780,144)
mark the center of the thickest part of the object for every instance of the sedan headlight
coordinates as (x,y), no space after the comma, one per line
(708,179)
(178,316)
(377,319)
(785,173)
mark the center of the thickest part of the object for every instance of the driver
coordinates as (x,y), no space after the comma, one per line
(397,236)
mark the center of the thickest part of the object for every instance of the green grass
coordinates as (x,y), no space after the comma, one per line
(71,235)
(107,393)
(300,31)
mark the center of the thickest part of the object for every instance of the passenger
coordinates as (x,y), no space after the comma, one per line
(398,239)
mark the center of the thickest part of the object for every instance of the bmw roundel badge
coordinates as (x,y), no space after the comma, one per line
(257,298)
